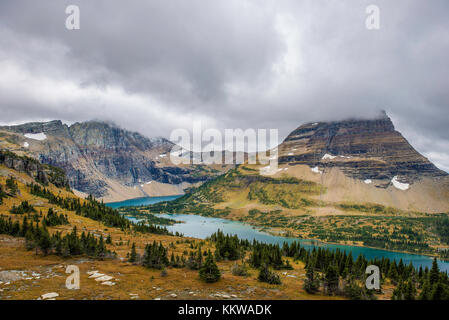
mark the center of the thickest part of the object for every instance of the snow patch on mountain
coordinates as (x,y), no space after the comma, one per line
(328,156)
(36,136)
(316,170)
(399,185)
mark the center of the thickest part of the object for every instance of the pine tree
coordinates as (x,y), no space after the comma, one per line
(265,275)
(434,275)
(311,283)
(199,257)
(331,279)
(426,292)
(133,255)
(398,293)
(410,291)
(11,184)
(209,271)
(45,241)
(437,291)
(393,272)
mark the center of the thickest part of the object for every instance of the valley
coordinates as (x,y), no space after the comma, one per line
(29,274)
(291,207)
(342,183)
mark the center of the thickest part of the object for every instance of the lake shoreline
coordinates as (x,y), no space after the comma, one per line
(202,226)
(258,228)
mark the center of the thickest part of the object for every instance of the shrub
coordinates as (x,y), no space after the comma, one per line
(239,270)
(265,275)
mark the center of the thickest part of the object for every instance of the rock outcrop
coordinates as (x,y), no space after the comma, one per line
(99,156)
(41,173)
(362,149)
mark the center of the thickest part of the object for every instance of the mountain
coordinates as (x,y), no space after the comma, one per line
(365,161)
(361,149)
(356,182)
(328,167)
(104,160)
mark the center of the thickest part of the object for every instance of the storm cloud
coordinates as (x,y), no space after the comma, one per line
(153,66)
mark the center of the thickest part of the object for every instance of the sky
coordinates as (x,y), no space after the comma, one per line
(155,66)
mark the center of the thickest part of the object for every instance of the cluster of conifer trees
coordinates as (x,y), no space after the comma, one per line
(267,255)
(228,247)
(433,283)
(38,238)
(54,219)
(263,256)
(95,210)
(24,207)
(156,256)
(91,208)
(2,194)
(10,189)
(12,186)
(336,272)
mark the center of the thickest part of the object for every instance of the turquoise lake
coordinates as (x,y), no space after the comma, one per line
(140,201)
(202,227)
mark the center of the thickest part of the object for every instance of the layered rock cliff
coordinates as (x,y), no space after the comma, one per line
(39,172)
(102,159)
(363,149)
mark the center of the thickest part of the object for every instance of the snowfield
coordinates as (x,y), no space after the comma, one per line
(399,185)
(36,136)
(316,170)
(328,156)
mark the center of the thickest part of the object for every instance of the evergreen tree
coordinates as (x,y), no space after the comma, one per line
(45,241)
(398,293)
(209,271)
(410,291)
(311,283)
(426,292)
(155,256)
(133,255)
(434,275)
(265,275)
(393,272)
(331,279)
(437,291)
(11,184)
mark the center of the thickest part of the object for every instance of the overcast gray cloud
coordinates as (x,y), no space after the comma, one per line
(153,66)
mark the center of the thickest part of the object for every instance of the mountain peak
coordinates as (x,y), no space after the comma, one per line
(361,148)
(51,127)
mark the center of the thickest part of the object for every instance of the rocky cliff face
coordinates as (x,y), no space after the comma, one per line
(362,149)
(98,156)
(39,172)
